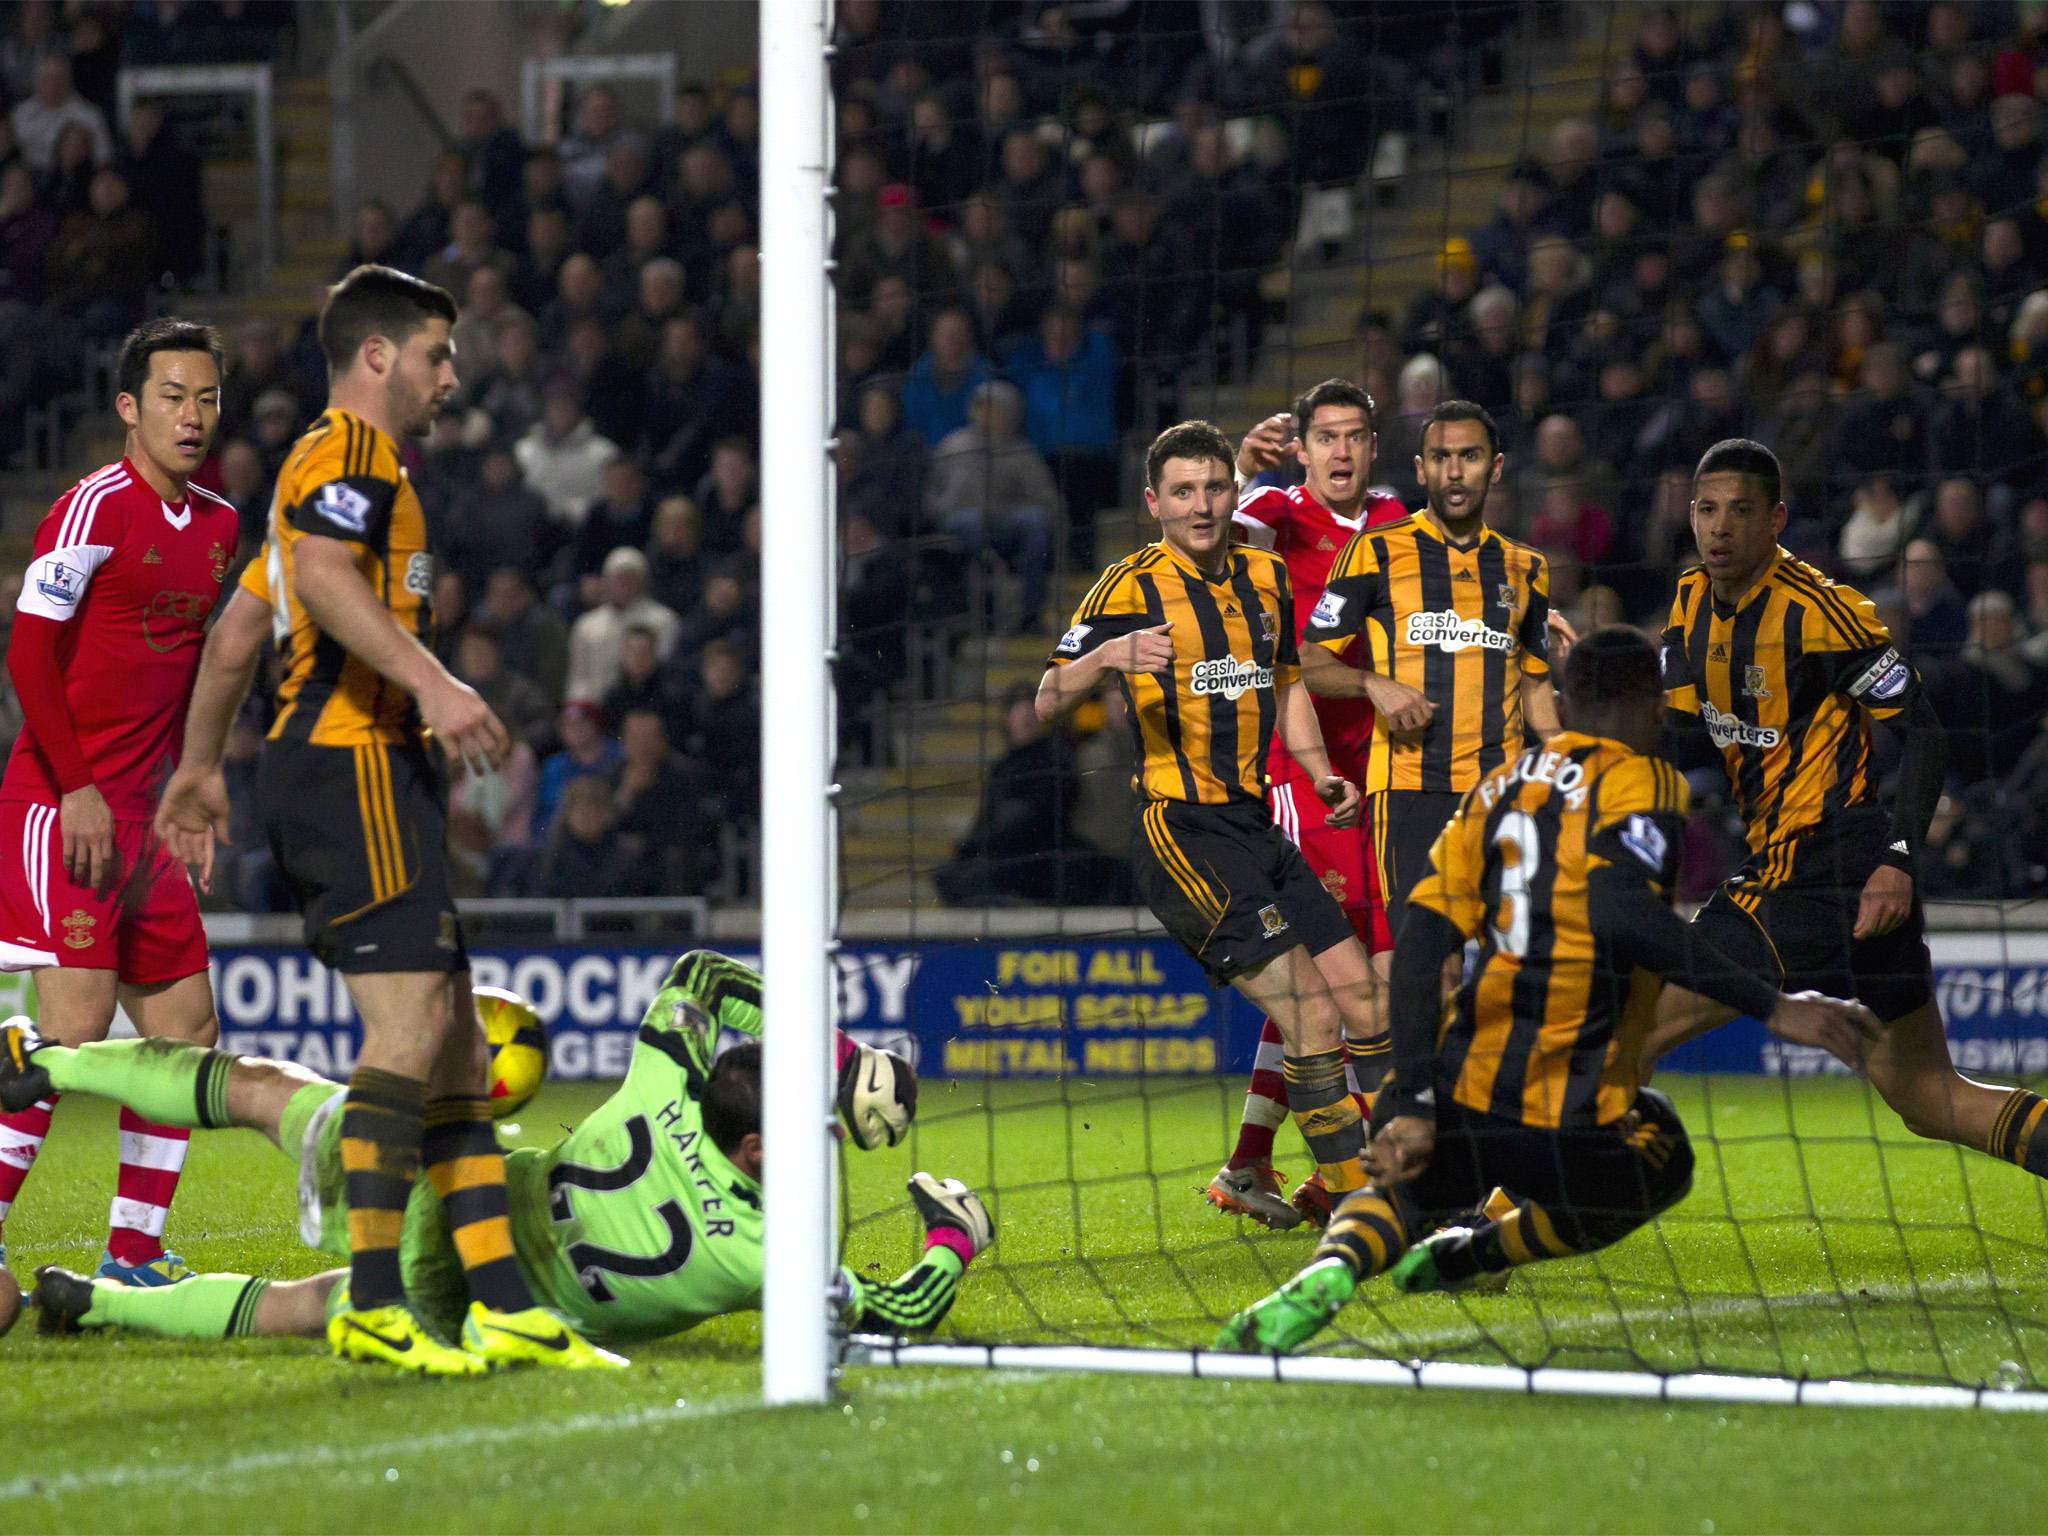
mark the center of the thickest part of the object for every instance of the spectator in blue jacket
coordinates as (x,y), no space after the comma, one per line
(1068,375)
(935,395)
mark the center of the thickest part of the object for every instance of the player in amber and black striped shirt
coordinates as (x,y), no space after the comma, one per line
(1521,1100)
(1778,673)
(1457,660)
(1200,637)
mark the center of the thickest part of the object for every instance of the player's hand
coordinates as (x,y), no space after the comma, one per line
(1562,637)
(1145,650)
(1341,796)
(473,737)
(1402,706)
(1842,1029)
(1400,1149)
(192,817)
(1886,902)
(88,828)
(948,1206)
(877,1097)
(1265,446)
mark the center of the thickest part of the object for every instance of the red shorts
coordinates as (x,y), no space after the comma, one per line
(1337,856)
(145,927)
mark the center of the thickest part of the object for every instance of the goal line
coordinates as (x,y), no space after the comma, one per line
(1539,1381)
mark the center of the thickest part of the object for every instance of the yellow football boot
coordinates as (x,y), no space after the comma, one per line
(533,1337)
(391,1335)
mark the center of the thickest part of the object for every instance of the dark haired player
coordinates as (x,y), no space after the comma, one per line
(352,800)
(1330,433)
(1777,673)
(1200,636)
(643,1221)
(1521,1101)
(105,643)
(1457,659)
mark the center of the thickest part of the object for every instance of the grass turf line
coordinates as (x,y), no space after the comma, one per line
(272,1435)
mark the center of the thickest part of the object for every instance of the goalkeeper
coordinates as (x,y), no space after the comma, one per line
(642,1222)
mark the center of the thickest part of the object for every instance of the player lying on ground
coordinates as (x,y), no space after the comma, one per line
(1524,1103)
(1200,637)
(1777,673)
(105,643)
(644,1221)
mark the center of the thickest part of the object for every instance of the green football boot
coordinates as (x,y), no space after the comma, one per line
(1292,1315)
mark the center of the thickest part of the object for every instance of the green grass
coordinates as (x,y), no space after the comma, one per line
(1857,1252)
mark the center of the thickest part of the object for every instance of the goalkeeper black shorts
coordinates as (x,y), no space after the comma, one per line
(1230,888)
(1789,915)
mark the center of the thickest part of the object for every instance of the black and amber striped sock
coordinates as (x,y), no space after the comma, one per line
(1328,1117)
(1371,1061)
(1521,1235)
(2020,1133)
(468,1172)
(380,1156)
(1366,1232)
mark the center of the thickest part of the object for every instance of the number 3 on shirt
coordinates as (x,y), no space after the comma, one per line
(1520,848)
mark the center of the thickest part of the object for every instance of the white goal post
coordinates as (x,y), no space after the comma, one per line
(798,887)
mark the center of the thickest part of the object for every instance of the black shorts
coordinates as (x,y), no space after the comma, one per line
(1598,1183)
(1405,824)
(1230,888)
(1789,915)
(361,836)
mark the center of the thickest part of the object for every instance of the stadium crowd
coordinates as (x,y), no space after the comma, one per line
(1823,226)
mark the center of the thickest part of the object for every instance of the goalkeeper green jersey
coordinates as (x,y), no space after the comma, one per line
(634,1225)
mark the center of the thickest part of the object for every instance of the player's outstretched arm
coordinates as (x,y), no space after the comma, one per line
(193,813)
(957,1226)
(330,587)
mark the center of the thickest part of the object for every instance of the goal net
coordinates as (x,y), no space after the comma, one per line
(1628,233)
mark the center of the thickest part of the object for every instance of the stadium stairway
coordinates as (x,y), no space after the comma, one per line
(310,250)
(900,822)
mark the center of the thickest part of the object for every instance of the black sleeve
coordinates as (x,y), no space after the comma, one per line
(1288,652)
(1092,633)
(1922,766)
(1427,940)
(357,509)
(1685,743)
(1345,605)
(1623,908)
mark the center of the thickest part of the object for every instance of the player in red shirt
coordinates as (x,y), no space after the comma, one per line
(1330,433)
(106,639)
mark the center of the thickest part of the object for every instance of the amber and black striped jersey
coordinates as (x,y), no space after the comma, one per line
(1463,625)
(1547,1026)
(1202,730)
(1786,680)
(342,480)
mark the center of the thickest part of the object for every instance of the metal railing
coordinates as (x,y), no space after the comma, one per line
(578,69)
(254,81)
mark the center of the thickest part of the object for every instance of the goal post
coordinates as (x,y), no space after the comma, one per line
(798,898)
(1591,227)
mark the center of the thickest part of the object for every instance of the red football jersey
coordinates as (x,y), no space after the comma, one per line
(131,580)
(1307,535)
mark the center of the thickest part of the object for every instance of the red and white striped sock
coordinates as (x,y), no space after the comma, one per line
(1265,1103)
(21,1138)
(152,1157)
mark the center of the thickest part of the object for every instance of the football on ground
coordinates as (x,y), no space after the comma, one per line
(271,1434)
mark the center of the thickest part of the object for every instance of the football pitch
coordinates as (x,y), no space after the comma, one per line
(1103,1237)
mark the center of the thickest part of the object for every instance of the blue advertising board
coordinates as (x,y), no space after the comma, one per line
(1098,1008)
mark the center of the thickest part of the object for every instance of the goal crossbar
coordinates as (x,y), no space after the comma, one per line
(1536,1381)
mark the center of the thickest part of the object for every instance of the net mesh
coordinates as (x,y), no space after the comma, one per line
(1628,232)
